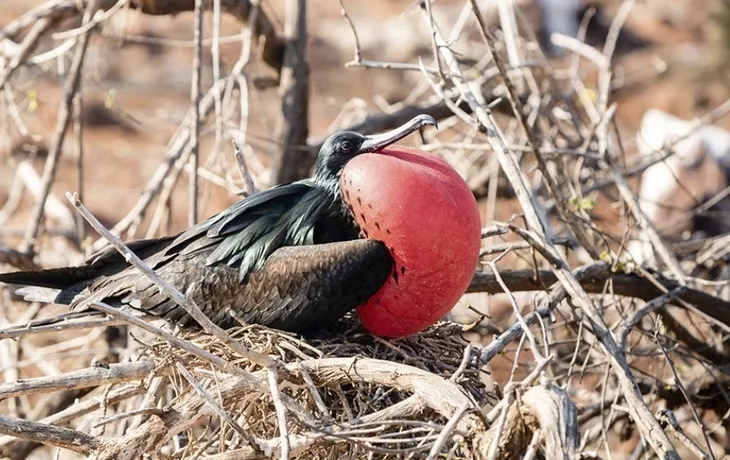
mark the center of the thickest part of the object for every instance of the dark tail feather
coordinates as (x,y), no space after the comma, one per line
(54,278)
(103,263)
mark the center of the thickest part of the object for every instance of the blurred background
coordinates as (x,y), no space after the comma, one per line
(672,55)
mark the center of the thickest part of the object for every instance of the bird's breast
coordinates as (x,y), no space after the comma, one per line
(426,215)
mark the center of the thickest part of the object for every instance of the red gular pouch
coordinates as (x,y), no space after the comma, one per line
(428,218)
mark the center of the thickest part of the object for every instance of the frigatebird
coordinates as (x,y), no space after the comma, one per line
(295,257)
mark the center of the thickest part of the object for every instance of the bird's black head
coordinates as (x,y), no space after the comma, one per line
(343,146)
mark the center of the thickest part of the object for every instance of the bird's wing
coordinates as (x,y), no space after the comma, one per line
(245,234)
(298,288)
(316,285)
(254,221)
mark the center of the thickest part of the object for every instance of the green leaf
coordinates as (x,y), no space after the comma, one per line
(110,99)
(33,103)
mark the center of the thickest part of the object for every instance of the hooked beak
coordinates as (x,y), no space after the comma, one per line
(377,142)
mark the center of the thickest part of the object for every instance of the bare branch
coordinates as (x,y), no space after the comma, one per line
(59,135)
(292,127)
(84,378)
(66,438)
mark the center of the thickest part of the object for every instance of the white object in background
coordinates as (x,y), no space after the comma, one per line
(670,189)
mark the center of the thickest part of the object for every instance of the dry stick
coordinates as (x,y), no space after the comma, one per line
(195,122)
(446,433)
(9,355)
(533,142)
(249,186)
(76,441)
(217,408)
(15,332)
(667,416)
(215,52)
(15,194)
(412,406)
(292,127)
(645,420)
(315,394)
(79,129)
(149,400)
(280,412)
(605,77)
(358,53)
(54,208)
(531,450)
(238,137)
(516,309)
(661,154)
(683,390)
(649,307)
(163,202)
(121,416)
(507,403)
(84,378)
(59,135)
(545,308)
(593,278)
(557,417)
(436,392)
(465,361)
(10,446)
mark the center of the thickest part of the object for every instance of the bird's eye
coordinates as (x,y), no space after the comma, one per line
(345,147)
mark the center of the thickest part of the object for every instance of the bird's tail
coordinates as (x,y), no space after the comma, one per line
(54,285)
(54,278)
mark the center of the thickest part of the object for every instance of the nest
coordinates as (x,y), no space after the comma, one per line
(344,393)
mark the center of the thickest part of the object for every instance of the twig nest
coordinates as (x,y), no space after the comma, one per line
(364,394)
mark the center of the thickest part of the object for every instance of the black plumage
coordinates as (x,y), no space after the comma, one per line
(288,257)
